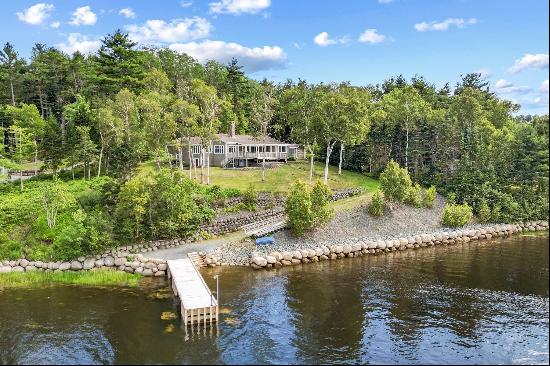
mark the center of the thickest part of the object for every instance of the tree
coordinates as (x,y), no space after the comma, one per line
(299,209)
(186,116)
(321,196)
(23,149)
(264,109)
(395,182)
(209,104)
(84,149)
(54,198)
(27,117)
(300,107)
(406,106)
(356,125)
(10,65)
(110,129)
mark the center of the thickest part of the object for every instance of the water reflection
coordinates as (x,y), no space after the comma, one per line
(474,303)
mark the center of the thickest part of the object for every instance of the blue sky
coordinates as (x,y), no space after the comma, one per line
(362,41)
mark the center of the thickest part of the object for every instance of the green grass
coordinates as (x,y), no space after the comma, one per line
(280,179)
(90,278)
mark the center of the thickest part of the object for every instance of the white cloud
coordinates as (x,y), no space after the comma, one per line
(385,1)
(178,30)
(55,24)
(544,86)
(529,61)
(371,36)
(35,14)
(252,59)
(78,42)
(185,4)
(238,7)
(444,25)
(323,40)
(485,72)
(127,13)
(84,16)
(504,86)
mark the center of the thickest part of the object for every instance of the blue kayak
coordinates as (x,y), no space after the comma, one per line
(264,240)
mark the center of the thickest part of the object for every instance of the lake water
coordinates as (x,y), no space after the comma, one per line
(484,302)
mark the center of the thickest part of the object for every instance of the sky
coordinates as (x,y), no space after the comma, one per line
(361,41)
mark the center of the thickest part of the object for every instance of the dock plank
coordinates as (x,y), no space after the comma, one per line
(189,285)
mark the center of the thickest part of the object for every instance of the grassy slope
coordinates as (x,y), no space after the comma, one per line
(280,179)
(91,278)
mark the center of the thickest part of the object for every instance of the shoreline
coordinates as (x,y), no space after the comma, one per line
(266,258)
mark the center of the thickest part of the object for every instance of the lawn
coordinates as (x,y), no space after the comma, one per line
(90,278)
(280,179)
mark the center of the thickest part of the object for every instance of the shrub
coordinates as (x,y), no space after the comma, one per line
(414,195)
(496,213)
(320,202)
(484,212)
(376,205)
(451,198)
(395,182)
(298,208)
(250,198)
(428,199)
(456,215)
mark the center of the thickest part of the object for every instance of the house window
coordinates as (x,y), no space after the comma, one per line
(282,149)
(196,149)
(231,149)
(252,149)
(219,149)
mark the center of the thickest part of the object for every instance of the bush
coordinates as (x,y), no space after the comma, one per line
(376,205)
(456,215)
(320,202)
(250,198)
(395,182)
(484,212)
(428,199)
(451,198)
(298,208)
(496,213)
(414,197)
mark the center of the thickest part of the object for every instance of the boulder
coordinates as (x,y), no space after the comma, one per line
(338,249)
(129,269)
(319,251)
(150,265)
(5,269)
(23,262)
(76,265)
(109,261)
(17,269)
(162,267)
(297,255)
(65,266)
(30,268)
(381,244)
(371,245)
(287,256)
(160,273)
(147,272)
(270,259)
(120,262)
(259,261)
(356,247)
(89,263)
(346,249)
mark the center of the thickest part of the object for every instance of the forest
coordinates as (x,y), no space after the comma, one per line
(89,123)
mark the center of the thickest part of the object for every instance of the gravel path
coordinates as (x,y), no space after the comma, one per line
(403,220)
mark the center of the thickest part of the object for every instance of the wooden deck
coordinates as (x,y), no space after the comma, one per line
(198,305)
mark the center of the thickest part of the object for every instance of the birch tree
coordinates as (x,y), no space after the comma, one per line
(186,116)
(264,109)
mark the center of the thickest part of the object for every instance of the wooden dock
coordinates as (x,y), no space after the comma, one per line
(198,305)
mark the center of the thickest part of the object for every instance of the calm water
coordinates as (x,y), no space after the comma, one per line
(477,303)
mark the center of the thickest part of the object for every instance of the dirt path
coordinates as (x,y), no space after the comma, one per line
(201,246)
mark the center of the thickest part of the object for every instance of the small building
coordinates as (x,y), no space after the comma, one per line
(240,151)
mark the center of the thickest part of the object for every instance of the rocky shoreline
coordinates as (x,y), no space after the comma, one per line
(345,248)
(361,247)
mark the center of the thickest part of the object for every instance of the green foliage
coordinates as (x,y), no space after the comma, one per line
(160,205)
(428,198)
(456,215)
(376,205)
(484,212)
(395,182)
(321,196)
(250,198)
(414,195)
(80,278)
(298,208)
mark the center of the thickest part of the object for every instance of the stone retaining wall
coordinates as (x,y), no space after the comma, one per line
(366,246)
(122,262)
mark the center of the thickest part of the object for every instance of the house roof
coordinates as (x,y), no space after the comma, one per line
(243,140)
